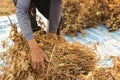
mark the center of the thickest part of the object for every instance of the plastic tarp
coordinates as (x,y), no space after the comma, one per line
(108,42)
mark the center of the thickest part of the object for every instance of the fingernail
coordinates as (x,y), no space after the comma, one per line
(34,67)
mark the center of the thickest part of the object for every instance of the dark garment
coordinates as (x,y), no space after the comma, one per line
(15,2)
(51,9)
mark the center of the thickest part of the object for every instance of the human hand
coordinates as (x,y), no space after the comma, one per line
(38,57)
(53,36)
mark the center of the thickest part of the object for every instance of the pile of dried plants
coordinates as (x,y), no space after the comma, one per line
(67,60)
(113,14)
(80,14)
(6,7)
(101,73)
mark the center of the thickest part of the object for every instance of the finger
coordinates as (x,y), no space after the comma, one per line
(43,67)
(33,64)
(37,66)
(55,37)
(46,58)
(49,36)
(31,59)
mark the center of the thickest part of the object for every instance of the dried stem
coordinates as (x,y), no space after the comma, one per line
(54,48)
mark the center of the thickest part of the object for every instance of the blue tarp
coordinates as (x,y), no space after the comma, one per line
(108,42)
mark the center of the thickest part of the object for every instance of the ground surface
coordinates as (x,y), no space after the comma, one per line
(6,7)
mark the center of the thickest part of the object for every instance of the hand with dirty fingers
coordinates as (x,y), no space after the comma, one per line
(38,57)
(53,36)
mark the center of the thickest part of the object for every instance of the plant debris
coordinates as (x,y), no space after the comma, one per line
(6,7)
(113,21)
(81,14)
(67,60)
(101,73)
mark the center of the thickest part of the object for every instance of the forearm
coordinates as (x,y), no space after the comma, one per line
(55,15)
(25,28)
(32,43)
(23,18)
